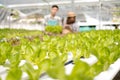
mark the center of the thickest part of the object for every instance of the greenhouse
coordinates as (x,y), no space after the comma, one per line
(60,40)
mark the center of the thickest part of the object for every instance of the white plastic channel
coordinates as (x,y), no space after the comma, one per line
(90,61)
(110,73)
(3,72)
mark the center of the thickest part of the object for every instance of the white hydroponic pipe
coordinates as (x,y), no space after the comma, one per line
(110,73)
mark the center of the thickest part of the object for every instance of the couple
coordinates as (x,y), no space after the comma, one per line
(69,23)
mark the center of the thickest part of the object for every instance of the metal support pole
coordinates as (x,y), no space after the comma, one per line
(100,14)
(4,3)
(73,5)
(48,5)
(9,21)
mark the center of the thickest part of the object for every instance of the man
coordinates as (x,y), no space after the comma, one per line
(71,22)
(52,19)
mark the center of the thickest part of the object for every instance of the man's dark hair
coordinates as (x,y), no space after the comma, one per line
(55,6)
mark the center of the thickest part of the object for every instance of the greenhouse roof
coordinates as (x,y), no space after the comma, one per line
(87,7)
(14,2)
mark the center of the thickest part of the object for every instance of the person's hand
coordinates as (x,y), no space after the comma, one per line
(66,25)
(66,31)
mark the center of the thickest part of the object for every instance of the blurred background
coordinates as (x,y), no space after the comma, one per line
(29,14)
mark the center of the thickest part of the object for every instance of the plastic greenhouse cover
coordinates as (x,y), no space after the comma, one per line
(6,2)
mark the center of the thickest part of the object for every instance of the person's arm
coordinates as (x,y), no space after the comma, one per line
(59,21)
(64,23)
(75,27)
(45,20)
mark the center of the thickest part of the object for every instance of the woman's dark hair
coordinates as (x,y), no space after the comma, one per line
(55,6)
(69,21)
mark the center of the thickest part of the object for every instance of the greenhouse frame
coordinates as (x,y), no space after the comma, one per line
(99,13)
(32,50)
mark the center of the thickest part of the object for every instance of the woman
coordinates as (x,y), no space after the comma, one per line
(71,22)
